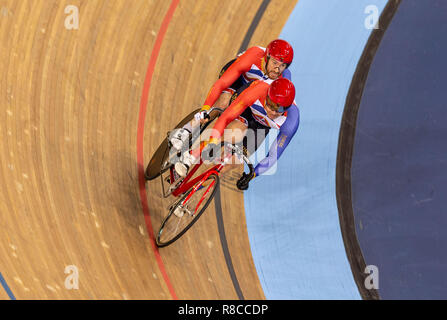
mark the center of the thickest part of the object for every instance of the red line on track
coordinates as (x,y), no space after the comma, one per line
(140,138)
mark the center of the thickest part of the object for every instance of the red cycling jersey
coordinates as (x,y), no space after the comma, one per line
(257,91)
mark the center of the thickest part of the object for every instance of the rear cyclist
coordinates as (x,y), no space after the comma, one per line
(256,63)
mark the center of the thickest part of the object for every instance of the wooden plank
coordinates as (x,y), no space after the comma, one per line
(68,171)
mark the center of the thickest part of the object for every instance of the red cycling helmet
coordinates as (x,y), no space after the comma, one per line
(280,50)
(282,92)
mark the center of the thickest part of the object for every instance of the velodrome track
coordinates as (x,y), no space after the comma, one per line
(75,135)
(83,110)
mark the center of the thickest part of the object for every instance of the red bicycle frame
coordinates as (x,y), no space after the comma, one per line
(186,184)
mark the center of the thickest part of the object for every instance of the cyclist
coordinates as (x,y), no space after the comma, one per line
(258,107)
(256,63)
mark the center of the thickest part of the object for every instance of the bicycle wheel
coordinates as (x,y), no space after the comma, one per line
(183,215)
(153,169)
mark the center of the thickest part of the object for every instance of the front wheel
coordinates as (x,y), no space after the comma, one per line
(186,211)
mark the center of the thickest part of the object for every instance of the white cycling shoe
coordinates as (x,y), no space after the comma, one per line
(178,138)
(186,162)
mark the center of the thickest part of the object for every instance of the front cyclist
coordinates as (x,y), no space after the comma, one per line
(257,63)
(260,107)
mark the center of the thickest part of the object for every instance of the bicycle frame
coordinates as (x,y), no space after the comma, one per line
(178,188)
(183,189)
(186,184)
(196,183)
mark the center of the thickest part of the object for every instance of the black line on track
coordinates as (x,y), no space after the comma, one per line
(224,244)
(345,151)
(217,198)
(254,25)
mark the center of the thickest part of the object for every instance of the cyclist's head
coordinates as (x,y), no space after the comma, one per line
(280,50)
(281,95)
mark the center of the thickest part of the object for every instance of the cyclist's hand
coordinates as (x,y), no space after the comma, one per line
(202,116)
(242,183)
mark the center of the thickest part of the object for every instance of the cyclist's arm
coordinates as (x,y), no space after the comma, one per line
(240,66)
(286,133)
(256,91)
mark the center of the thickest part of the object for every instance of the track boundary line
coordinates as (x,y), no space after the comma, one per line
(140,138)
(6,287)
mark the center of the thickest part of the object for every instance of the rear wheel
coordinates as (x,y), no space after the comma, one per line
(183,214)
(154,168)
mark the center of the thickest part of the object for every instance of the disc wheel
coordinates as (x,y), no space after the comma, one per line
(154,168)
(183,215)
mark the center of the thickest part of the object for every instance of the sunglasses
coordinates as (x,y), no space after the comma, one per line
(276,107)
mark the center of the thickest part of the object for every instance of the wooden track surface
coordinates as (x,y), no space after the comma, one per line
(68,121)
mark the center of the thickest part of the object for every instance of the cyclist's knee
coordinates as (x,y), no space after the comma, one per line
(235,132)
(223,101)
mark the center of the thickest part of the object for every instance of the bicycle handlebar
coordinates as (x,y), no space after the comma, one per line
(236,149)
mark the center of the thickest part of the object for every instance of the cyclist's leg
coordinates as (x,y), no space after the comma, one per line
(224,100)
(254,136)
(234,133)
